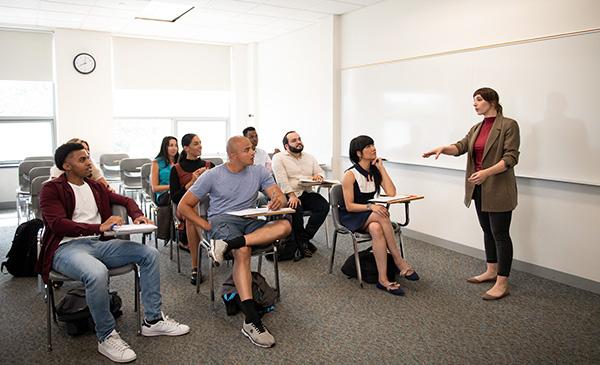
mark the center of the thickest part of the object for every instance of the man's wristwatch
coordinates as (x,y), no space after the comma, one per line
(369,206)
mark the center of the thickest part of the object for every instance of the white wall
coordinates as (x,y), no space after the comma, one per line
(556,224)
(84,105)
(295,89)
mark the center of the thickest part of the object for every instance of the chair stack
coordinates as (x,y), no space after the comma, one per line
(23,194)
(130,172)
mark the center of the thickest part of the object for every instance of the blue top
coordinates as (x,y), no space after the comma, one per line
(164,173)
(232,191)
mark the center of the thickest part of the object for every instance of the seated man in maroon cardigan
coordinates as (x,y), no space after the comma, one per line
(76,212)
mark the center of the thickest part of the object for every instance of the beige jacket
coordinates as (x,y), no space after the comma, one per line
(498,192)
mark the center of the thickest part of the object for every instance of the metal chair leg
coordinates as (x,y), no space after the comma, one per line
(199,256)
(335,233)
(212,284)
(259,264)
(48,315)
(276,268)
(357,262)
(137,306)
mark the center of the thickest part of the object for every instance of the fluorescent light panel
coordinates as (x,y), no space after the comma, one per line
(164,12)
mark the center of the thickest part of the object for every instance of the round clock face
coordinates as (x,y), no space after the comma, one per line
(84,63)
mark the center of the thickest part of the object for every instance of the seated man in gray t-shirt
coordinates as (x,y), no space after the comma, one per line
(234,186)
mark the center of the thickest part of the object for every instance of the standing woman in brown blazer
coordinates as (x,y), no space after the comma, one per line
(492,146)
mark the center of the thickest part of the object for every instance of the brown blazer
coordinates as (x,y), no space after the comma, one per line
(498,192)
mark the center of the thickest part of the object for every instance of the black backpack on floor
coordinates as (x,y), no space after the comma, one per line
(23,252)
(368,267)
(74,312)
(285,250)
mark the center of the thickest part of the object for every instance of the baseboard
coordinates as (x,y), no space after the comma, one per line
(544,272)
(7,205)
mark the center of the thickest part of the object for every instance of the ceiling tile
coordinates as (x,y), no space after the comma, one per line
(66,8)
(286,13)
(295,4)
(17,20)
(24,4)
(55,23)
(362,2)
(232,5)
(334,7)
(118,13)
(131,5)
(17,12)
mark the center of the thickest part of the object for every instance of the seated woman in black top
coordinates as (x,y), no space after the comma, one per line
(183,175)
(360,183)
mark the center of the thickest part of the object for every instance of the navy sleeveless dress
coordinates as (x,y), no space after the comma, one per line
(364,189)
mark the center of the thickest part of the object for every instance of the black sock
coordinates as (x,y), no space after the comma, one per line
(249,310)
(235,243)
(155,321)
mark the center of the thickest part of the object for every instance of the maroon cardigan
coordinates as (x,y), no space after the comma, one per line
(57,203)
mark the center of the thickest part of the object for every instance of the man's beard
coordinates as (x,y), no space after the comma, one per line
(296,150)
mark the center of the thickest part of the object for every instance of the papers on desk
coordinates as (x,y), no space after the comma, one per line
(254,212)
(309,181)
(131,229)
(389,199)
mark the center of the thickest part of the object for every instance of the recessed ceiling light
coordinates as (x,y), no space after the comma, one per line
(164,12)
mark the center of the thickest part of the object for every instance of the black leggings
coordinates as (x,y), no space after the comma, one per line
(496,235)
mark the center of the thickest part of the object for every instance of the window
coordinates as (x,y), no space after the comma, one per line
(146,116)
(212,133)
(140,137)
(26,120)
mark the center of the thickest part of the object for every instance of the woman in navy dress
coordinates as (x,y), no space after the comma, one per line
(362,182)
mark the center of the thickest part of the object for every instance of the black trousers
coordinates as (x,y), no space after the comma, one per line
(496,235)
(319,208)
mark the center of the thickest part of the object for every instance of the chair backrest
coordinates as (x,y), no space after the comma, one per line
(145,174)
(39,158)
(39,171)
(25,167)
(336,197)
(109,164)
(121,211)
(131,171)
(216,160)
(36,187)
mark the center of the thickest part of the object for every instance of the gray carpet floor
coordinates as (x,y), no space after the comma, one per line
(325,318)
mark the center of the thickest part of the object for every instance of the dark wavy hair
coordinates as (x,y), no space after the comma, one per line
(186,140)
(164,150)
(491,96)
(358,144)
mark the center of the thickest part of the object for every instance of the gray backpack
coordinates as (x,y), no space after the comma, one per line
(264,295)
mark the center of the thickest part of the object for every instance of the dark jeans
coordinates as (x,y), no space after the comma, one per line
(319,208)
(496,235)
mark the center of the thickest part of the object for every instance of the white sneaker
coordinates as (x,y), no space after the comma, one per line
(116,349)
(165,327)
(259,335)
(217,251)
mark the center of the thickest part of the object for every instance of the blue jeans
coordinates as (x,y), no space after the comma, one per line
(88,261)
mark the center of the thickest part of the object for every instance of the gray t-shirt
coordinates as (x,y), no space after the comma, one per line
(230,191)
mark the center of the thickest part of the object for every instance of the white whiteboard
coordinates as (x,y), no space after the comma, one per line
(551,88)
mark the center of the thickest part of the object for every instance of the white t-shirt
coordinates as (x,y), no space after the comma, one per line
(86,210)
(261,158)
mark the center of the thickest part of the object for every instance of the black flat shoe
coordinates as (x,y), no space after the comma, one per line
(195,277)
